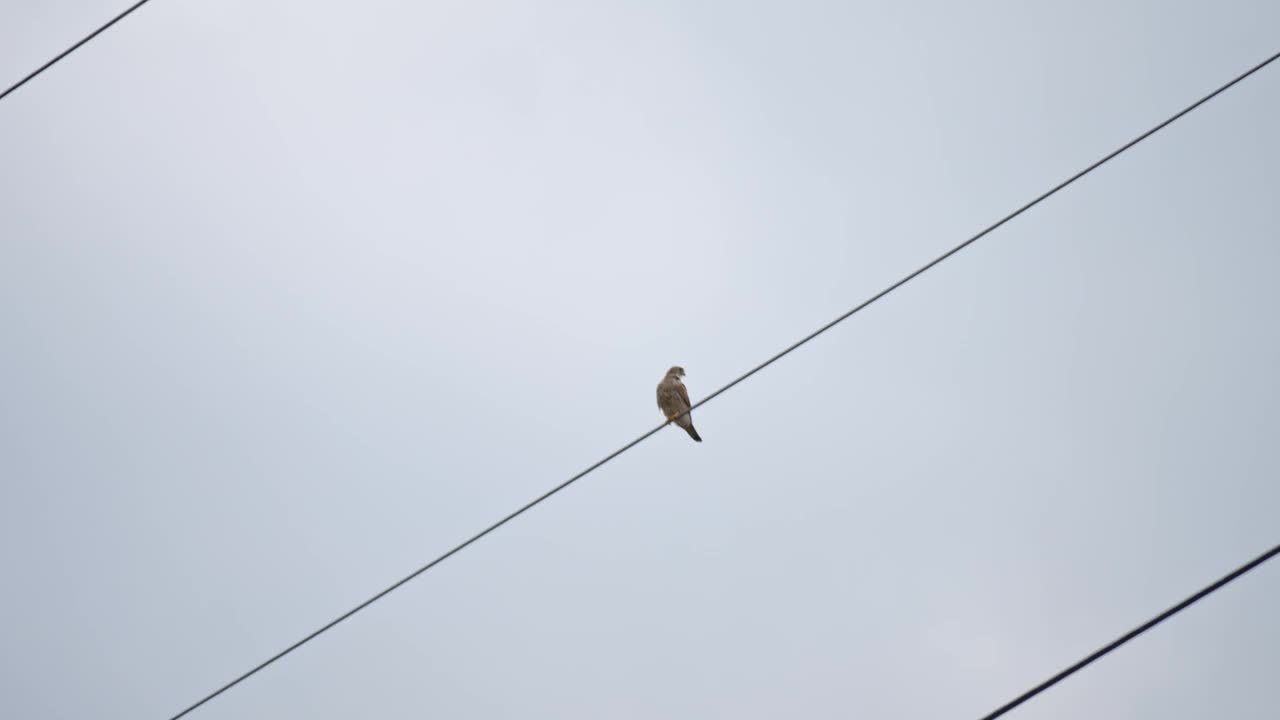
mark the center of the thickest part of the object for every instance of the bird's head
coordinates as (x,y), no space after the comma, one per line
(676,372)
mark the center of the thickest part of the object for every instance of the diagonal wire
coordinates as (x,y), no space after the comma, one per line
(1134,633)
(73,48)
(742,377)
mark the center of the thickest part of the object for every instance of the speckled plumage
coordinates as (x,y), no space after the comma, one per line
(673,400)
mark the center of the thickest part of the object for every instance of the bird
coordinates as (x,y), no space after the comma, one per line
(673,400)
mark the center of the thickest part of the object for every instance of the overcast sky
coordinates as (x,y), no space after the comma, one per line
(295,296)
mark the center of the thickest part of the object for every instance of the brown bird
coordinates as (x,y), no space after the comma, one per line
(673,400)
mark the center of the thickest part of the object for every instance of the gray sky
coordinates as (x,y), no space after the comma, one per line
(295,296)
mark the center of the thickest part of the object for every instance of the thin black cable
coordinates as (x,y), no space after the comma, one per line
(1134,633)
(717,393)
(73,48)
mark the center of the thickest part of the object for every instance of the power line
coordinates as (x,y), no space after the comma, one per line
(717,393)
(73,48)
(1134,633)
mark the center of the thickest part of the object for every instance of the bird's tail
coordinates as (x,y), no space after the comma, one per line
(693,433)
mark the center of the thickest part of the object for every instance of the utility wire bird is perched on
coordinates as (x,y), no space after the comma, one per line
(758,368)
(673,400)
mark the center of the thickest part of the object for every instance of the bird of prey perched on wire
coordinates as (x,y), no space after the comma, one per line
(673,400)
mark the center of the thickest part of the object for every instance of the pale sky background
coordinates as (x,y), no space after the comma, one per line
(295,296)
